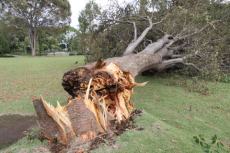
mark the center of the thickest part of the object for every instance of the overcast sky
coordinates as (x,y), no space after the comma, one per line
(78,5)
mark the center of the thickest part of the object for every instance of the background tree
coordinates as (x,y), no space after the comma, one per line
(13,39)
(87,25)
(4,40)
(37,14)
(67,37)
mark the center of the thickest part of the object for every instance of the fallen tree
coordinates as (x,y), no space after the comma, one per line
(101,91)
(99,104)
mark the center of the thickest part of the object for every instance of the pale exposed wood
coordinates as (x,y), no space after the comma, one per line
(103,97)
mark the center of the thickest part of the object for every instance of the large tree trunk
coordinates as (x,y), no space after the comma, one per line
(33,38)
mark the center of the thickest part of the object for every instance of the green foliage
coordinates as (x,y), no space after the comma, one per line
(109,38)
(225,78)
(210,146)
(87,25)
(143,7)
(34,15)
(70,37)
(194,84)
(4,44)
(12,40)
(75,44)
(48,41)
(87,17)
(60,10)
(4,39)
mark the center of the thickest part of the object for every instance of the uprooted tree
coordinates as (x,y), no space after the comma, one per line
(101,91)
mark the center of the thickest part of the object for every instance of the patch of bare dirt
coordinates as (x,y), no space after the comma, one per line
(13,127)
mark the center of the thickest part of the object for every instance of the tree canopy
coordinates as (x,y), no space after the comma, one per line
(36,14)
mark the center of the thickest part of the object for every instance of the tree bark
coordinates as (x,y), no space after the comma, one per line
(33,41)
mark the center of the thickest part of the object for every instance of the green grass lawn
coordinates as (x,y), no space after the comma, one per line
(23,78)
(171,114)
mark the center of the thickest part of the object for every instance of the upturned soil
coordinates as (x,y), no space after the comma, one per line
(13,128)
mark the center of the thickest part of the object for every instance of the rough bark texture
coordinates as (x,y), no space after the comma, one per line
(33,35)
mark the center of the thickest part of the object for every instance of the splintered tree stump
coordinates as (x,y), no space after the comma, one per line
(100,95)
(62,124)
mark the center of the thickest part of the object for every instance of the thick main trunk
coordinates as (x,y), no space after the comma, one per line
(142,61)
(33,36)
(136,63)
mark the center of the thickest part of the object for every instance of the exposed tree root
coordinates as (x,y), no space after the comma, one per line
(100,105)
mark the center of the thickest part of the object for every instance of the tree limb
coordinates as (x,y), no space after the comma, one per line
(135,31)
(172,62)
(159,44)
(197,31)
(132,46)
